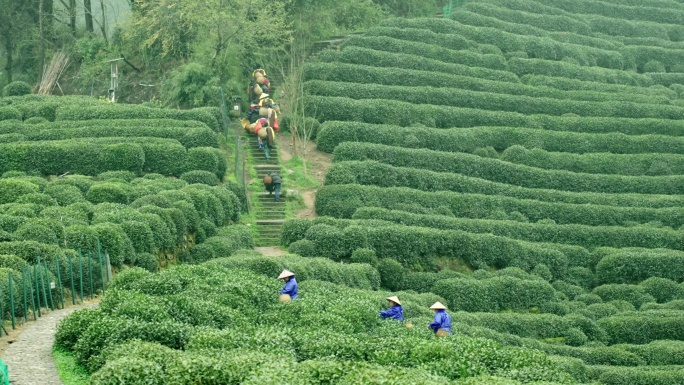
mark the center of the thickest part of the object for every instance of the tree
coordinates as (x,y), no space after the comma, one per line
(88,12)
(14,18)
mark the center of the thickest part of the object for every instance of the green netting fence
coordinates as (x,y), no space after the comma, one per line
(51,284)
(448,9)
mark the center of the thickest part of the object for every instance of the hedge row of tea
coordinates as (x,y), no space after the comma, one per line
(153,326)
(153,329)
(539,138)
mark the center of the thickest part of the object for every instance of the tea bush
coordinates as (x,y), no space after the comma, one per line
(17,88)
(206,115)
(343,200)
(634,266)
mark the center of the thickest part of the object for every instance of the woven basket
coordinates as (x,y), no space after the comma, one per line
(442,333)
(268,179)
(258,91)
(409,325)
(284,298)
(262,133)
(259,78)
(263,112)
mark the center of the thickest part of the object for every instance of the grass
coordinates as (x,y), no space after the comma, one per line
(70,372)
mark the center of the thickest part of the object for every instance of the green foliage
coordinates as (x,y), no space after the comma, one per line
(17,88)
(343,200)
(636,295)
(71,327)
(391,274)
(191,85)
(129,371)
(642,328)
(634,266)
(303,247)
(364,255)
(200,176)
(116,111)
(494,294)
(9,113)
(147,261)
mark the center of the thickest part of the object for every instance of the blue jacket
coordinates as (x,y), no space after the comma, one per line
(395,312)
(290,288)
(442,321)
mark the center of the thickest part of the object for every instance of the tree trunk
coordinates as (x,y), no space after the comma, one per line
(41,58)
(103,24)
(10,59)
(88,15)
(72,16)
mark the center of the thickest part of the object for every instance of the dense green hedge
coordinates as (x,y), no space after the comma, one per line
(644,327)
(613,269)
(634,266)
(521,67)
(96,155)
(598,163)
(494,294)
(189,133)
(621,11)
(207,115)
(358,73)
(659,352)
(446,162)
(454,97)
(382,111)
(468,140)
(644,375)
(378,40)
(414,246)
(446,41)
(534,46)
(531,325)
(391,60)
(355,275)
(545,22)
(343,200)
(571,84)
(461,164)
(9,113)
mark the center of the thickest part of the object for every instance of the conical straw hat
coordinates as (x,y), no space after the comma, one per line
(438,306)
(286,273)
(394,299)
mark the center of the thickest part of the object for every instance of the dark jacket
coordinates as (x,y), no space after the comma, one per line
(276,178)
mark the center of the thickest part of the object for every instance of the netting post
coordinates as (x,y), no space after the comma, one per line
(23,289)
(35,275)
(49,286)
(30,286)
(42,283)
(11,300)
(99,258)
(80,269)
(90,273)
(73,289)
(59,282)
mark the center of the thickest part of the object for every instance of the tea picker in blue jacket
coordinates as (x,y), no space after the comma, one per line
(289,291)
(395,311)
(442,322)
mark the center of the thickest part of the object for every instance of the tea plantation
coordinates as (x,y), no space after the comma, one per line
(521,161)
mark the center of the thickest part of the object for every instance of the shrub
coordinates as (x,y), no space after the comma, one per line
(200,176)
(662,289)
(147,261)
(575,337)
(11,190)
(636,295)
(64,194)
(633,266)
(384,59)
(493,294)
(642,328)
(303,247)
(129,370)
(207,159)
(35,231)
(17,88)
(109,192)
(9,113)
(391,274)
(71,327)
(364,255)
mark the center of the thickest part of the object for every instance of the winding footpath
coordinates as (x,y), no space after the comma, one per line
(29,359)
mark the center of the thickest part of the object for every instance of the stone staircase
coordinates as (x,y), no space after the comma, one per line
(270,215)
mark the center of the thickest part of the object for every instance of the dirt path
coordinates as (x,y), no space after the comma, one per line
(270,251)
(29,357)
(318,162)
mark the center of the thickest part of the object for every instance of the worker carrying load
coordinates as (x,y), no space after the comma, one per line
(269,109)
(265,136)
(289,292)
(259,84)
(395,311)
(272,183)
(441,325)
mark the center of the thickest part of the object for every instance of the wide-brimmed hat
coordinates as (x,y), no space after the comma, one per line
(286,273)
(264,95)
(438,306)
(394,299)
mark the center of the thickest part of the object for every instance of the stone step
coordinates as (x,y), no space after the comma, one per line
(270,222)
